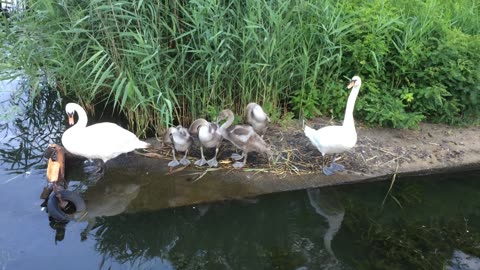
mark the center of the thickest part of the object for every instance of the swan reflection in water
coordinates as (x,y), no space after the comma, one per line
(331,209)
(102,200)
(106,201)
(110,196)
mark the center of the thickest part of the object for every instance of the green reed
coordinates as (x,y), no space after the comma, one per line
(170,61)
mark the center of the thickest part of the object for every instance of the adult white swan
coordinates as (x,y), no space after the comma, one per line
(337,139)
(102,141)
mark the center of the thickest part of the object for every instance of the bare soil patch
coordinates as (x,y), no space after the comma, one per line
(379,151)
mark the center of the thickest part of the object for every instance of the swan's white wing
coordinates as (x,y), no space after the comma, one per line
(105,141)
(332,139)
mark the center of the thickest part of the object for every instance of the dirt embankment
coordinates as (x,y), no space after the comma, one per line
(296,164)
(379,152)
(385,151)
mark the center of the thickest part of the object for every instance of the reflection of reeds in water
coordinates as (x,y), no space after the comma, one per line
(267,233)
(25,136)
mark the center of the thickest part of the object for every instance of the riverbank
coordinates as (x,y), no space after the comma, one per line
(379,154)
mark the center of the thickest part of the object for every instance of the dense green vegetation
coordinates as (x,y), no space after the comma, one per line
(168,61)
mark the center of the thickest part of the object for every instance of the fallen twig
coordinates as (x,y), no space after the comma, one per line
(394,159)
(394,177)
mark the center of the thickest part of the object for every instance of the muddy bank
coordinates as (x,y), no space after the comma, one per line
(379,153)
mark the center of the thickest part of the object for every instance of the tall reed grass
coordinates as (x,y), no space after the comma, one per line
(163,62)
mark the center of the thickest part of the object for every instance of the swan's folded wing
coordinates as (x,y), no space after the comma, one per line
(242,133)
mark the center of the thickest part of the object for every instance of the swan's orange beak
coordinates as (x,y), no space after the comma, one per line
(351,84)
(71,121)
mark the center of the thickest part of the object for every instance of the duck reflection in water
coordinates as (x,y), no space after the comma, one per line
(331,209)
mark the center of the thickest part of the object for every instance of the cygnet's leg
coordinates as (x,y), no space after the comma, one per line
(239,164)
(236,156)
(174,162)
(202,161)
(213,162)
(184,160)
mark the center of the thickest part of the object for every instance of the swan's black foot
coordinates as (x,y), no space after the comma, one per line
(334,167)
(337,167)
(328,171)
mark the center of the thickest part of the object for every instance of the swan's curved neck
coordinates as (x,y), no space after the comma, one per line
(82,116)
(227,123)
(348,118)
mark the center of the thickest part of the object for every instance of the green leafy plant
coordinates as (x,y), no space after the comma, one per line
(305,102)
(167,62)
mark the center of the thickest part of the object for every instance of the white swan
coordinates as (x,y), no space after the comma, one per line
(337,139)
(102,141)
(209,136)
(257,118)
